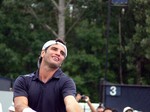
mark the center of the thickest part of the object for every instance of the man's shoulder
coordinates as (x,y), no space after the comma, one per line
(25,79)
(60,74)
(65,78)
(27,76)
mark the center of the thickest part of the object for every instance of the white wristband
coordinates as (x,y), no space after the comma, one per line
(28,110)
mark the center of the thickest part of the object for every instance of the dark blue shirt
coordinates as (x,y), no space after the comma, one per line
(45,97)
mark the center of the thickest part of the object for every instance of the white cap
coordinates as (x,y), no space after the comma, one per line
(52,42)
(127,108)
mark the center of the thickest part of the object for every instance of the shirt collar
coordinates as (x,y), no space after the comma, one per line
(57,74)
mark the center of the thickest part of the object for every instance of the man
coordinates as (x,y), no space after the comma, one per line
(48,89)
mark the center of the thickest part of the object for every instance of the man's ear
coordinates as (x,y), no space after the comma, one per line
(42,53)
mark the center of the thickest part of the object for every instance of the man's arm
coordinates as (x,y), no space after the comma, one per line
(72,105)
(21,104)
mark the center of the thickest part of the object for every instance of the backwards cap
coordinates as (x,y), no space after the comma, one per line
(52,42)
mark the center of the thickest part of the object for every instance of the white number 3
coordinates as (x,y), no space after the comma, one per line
(113,90)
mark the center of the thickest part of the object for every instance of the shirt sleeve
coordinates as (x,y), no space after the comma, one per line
(20,87)
(68,87)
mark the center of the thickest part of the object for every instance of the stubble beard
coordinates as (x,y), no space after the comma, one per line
(51,64)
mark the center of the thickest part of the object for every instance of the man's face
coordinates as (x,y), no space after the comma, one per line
(53,56)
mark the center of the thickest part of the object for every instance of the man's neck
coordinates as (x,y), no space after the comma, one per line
(46,73)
